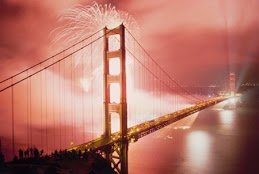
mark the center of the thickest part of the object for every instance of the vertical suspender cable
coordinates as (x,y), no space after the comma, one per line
(83,98)
(153,91)
(144,85)
(41,136)
(134,86)
(177,101)
(172,97)
(53,108)
(30,115)
(27,86)
(162,95)
(46,107)
(71,100)
(156,92)
(59,105)
(160,104)
(163,99)
(139,80)
(74,115)
(13,147)
(148,81)
(92,89)
(64,102)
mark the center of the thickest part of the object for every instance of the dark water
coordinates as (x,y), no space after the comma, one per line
(221,141)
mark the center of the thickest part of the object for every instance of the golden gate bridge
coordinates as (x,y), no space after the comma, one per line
(114,94)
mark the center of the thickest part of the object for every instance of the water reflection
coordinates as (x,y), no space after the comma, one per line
(232,103)
(226,120)
(221,141)
(226,117)
(198,147)
(186,122)
(183,124)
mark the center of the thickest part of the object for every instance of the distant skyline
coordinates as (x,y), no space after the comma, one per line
(194,41)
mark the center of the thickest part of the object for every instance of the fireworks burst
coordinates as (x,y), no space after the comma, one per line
(81,21)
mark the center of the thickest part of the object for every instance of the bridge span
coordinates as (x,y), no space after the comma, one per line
(115,148)
(50,104)
(143,129)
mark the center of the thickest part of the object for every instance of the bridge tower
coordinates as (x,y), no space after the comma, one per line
(232,84)
(120,107)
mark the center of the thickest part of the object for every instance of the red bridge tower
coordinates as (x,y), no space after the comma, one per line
(232,84)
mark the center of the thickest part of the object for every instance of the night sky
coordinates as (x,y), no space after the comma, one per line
(196,42)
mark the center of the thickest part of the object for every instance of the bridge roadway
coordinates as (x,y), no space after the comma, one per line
(143,129)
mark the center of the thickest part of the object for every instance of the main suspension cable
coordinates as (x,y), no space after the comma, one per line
(49,57)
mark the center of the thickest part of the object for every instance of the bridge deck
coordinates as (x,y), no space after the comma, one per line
(143,129)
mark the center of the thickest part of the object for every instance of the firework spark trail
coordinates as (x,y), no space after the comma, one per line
(80,21)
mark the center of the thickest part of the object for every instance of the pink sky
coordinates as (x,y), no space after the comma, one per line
(196,42)
(193,40)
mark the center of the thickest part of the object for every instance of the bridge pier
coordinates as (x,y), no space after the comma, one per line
(117,156)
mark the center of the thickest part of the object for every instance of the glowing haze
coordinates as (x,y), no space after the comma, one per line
(186,32)
(195,41)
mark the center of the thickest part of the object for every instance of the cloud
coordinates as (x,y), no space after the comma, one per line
(177,33)
(24,32)
(186,36)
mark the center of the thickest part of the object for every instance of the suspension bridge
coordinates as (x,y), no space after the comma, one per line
(101,93)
